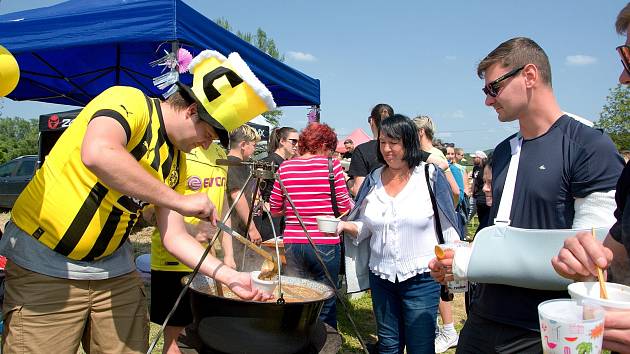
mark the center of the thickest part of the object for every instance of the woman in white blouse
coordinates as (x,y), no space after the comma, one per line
(394,214)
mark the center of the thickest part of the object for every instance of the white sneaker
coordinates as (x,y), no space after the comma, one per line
(445,340)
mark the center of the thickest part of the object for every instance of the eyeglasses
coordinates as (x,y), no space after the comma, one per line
(492,89)
(624,53)
(293,141)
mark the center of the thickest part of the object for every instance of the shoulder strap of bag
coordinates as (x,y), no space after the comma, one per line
(333,194)
(505,205)
(438,224)
(445,293)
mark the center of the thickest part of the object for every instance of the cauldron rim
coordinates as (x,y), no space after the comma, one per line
(327,294)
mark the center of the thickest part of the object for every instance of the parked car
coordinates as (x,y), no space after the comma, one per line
(14,176)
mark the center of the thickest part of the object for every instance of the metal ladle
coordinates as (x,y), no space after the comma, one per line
(269,267)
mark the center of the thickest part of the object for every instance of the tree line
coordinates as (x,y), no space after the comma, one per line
(18,136)
(615,116)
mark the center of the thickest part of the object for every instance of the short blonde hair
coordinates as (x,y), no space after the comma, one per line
(425,123)
(623,20)
(243,133)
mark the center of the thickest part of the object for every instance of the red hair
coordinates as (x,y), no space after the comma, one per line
(316,135)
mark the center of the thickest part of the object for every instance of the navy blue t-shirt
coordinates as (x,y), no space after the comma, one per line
(621,229)
(364,159)
(571,160)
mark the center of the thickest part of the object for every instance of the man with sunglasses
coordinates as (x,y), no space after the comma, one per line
(577,259)
(565,179)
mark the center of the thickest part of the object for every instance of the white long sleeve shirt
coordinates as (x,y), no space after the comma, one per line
(401,229)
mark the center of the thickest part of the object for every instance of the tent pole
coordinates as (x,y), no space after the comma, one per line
(68,80)
(174,49)
(117,64)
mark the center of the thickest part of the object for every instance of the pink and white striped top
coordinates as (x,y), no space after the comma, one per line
(306,181)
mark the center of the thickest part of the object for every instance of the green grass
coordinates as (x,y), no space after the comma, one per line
(362,315)
(154,332)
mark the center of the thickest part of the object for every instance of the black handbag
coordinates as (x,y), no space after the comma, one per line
(335,208)
(333,194)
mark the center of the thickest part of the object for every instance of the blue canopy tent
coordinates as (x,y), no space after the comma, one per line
(70,52)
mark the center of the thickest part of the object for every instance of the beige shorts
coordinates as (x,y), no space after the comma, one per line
(53,315)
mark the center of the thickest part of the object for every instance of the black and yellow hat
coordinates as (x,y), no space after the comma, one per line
(226,91)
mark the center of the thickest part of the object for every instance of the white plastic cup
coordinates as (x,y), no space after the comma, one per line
(618,294)
(457,285)
(569,327)
(327,224)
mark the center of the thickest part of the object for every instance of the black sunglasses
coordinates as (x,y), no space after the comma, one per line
(492,88)
(293,141)
(624,53)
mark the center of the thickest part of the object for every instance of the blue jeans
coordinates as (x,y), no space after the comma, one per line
(301,261)
(405,313)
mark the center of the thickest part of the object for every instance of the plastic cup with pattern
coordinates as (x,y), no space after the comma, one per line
(569,327)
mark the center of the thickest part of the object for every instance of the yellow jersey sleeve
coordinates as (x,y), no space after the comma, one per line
(129,107)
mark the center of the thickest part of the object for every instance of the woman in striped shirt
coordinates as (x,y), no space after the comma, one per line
(306,179)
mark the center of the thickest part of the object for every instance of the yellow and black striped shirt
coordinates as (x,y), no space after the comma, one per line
(67,208)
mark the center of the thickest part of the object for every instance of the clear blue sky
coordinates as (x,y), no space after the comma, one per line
(418,56)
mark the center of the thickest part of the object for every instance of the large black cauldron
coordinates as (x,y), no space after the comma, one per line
(237,326)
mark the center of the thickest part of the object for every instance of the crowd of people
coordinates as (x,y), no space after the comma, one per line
(128,156)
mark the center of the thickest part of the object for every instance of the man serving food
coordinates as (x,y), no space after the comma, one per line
(71,276)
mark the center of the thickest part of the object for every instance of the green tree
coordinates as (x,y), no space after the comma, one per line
(615,116)
(261,41)
(18,136)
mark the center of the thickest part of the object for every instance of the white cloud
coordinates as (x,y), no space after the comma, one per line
(301,56)
(450,58)
(580,59)
(458,114)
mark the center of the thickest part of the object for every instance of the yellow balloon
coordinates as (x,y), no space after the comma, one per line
(9,72)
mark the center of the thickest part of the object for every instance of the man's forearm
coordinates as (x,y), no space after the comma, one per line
(226,244)
(242,209)
(186,249)
(226,239)
(358,181)
(454,187)
(620,266)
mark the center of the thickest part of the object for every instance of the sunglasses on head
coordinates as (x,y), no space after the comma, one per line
(492,88)
(624,53)
(293,141)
